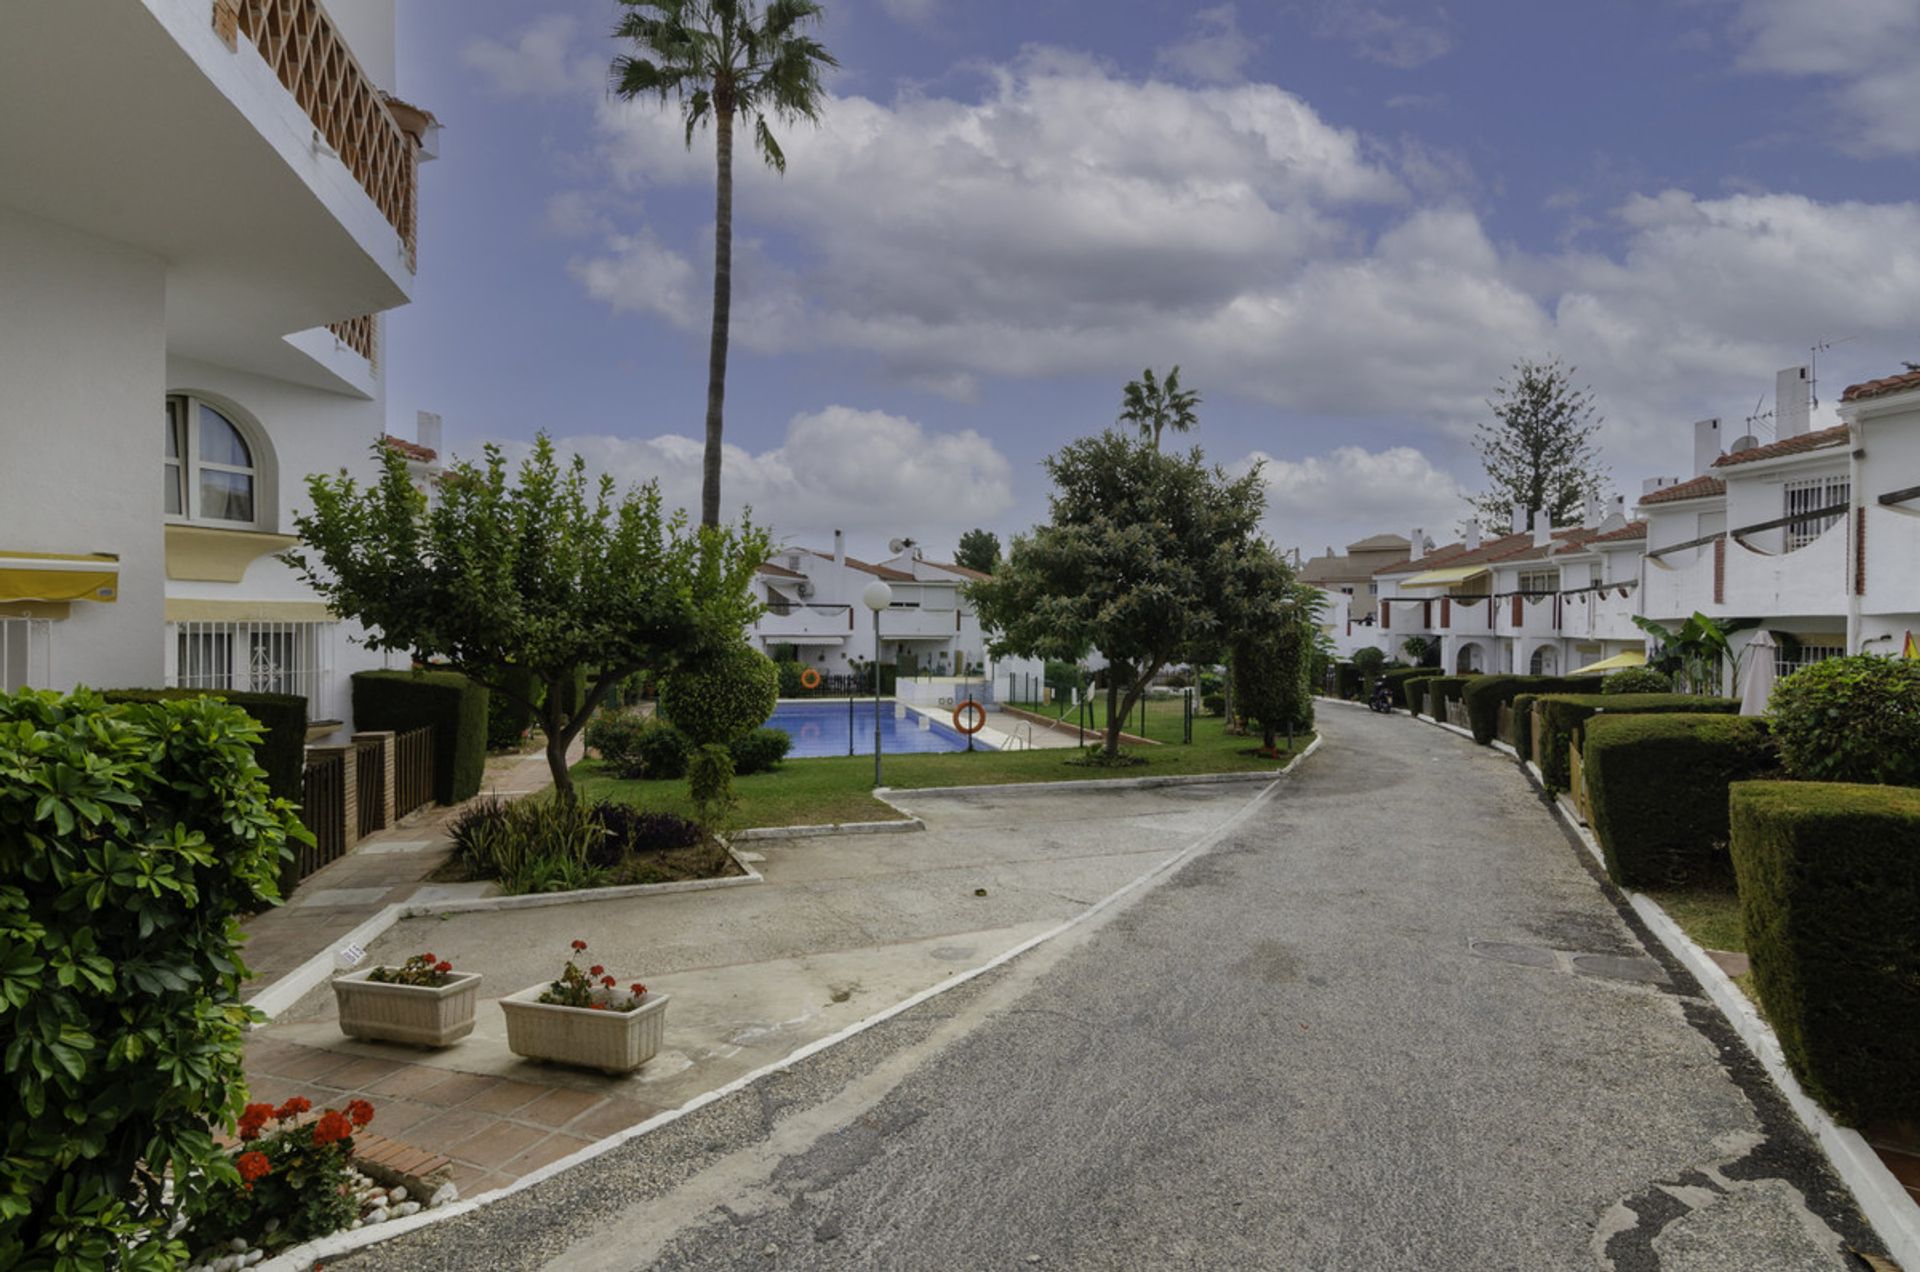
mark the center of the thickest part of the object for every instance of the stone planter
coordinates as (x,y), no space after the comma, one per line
(420,1015)
(610,1041)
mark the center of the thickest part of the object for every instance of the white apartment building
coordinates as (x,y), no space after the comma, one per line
(1814,534)
(207,206)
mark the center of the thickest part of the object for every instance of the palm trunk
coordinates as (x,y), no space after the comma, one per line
(722,311)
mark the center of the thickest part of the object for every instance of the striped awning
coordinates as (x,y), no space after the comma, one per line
(1446,577)
(59,576)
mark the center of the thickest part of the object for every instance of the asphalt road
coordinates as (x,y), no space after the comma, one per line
(1390,1020)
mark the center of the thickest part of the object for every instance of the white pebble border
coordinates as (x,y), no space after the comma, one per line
(375,1202)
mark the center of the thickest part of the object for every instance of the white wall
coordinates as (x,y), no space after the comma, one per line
(83,364)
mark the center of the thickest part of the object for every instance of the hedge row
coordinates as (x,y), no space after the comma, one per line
(1398,677)
(1829,878)
(1657,791)
(1442,690)
(1347,680)
(1487,694)
(282,718)
(454,706)
(1561,717)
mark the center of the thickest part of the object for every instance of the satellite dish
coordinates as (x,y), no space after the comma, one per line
(896,546)
(1746,443)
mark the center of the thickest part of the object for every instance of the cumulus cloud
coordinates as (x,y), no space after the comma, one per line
(1391,39)
(1215,50)
(1351,492)
(1865,48)
(539,62)
(870,473)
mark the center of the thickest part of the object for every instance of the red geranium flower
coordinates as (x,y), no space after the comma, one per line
(579,945)
(595,970)
(252,1166)
(429,957)
(444,967)
(332,1126)
(252,1118)
(607,981)
(294,1107)
(637,988)
(360,1112)
(598,1006)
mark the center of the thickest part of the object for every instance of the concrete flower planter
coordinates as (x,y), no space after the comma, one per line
(420,1015)
(610,1041)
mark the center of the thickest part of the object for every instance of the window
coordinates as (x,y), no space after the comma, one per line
(262,657)
(1808,651)
(1540,582)
(1811,495)
(1545,661)
(209,468)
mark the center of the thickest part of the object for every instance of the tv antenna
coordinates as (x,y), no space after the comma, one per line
(1813,364)
(1758,416)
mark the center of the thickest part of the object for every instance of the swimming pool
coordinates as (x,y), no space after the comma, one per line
(820,728)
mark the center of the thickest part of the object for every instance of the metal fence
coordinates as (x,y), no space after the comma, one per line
(412,770)
(295,658)
(323,810)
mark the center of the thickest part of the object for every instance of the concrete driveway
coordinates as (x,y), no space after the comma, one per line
(1391,1021)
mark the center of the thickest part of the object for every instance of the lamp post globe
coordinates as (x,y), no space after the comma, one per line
(876,597)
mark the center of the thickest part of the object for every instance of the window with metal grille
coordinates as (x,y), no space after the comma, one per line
(1807,653)
(264,657)
(1810,495)
(1539,582)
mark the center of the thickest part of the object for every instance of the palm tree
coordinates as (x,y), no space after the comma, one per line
(1158,406)
(722,59)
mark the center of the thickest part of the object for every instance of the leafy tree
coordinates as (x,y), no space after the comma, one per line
(724,60)
(548,577)
(1417,648)
(1273,647)
(1538,450)
(1157,406)
(979,550)
(1141,559)
(724,697)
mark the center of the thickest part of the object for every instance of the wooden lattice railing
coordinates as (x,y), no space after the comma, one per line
(358,334)
(299,42)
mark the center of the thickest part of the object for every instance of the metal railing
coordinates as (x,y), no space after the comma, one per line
(300,44)
(293,658)
(323,811)
(412,770)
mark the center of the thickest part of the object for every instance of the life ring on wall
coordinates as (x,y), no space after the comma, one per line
(809,679)
(974,712)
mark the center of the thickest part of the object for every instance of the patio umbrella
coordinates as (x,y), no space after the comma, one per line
(1756,681)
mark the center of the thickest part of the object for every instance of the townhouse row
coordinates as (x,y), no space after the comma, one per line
(1814,534)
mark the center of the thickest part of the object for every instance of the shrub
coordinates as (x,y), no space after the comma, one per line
(1563,715)
(282,717)
(1485,695)
(1637,680)
(722,696)
(634,830)
(1346,680)
(759,751)
(1442,690)
(531,845)
(1398,677)
(1657,791)
(1370,661)
(1419,691)
(454,706)
(617,737)
(1521,739)
(788,673)
(1829,878)
(294,1177)
(507,720)
(131,835)
(1214,704)
(1853,719)
(710,783)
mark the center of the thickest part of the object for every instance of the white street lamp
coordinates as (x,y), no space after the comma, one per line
(876,598)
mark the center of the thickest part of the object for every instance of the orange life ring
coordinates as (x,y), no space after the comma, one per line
(974,712)
(809,679)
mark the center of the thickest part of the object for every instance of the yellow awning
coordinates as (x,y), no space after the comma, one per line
(1619,662)
(54,576)
(1446,577)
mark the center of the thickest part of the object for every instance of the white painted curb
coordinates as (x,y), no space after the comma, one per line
(903,826)
(303,1256)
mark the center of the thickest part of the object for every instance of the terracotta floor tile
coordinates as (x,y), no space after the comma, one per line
(458,1088)
(308,1065)
(610,1118)
(474,1180)
(557,1108)
(397,1117)
(506,1097)
(493,1146)
(408,1081)
(363,1072)
(441,1132)
(545,1153)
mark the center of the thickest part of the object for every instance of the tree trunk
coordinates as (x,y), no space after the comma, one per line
(559,739)
(1116,715)
(722,311)
(1113,715)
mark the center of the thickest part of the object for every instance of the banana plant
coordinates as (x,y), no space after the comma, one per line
(1694,651)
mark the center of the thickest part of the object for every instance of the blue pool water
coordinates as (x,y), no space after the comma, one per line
(820,728)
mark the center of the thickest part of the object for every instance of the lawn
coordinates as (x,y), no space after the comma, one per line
(839,788)
(1711,916)
(1163,716)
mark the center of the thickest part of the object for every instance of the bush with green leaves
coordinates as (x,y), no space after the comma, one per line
(1657,792)
(1562,716)
(638,747)
(1397,678)
(710,783)
(1370,661)
(722,694)
(131,838)
(454,706)
(1853,719)
(1637,680)
(1483,697)
(759,751)
(531,845)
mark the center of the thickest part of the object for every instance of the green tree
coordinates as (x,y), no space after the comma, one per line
(725,696)
(551,577)
(1139,559)
(1538,450)
(979,550)
(1155,406)
(1272,651)
(724,60)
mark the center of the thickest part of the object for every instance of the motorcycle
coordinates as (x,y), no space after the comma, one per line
(1382,700)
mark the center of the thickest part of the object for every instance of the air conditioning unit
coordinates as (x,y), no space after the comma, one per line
(805,589)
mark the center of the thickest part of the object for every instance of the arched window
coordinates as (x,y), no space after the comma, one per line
(1546,661)
(211,472)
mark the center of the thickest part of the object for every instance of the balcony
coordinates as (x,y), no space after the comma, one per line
(803,624)
(1683,582)
(1810,581)
(268,175)
(906,623)
(1599,614)
(1892,548)
(1464,615)
(1535,615)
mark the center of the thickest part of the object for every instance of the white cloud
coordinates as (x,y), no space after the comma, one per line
(1351,492)
(870,473)
(1866,48)
(1215,50)
(539,62)
(1391,39)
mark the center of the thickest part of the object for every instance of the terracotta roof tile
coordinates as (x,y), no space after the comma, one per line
(412,450)
(1882,387)
(1632,530)
(780,571)
(964,570)
(878,571)
(1819,439)
(1698,488)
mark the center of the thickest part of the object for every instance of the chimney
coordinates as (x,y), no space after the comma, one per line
(1595,510)
(426,431)
(1473,534)
(1652,484)
(1706,445)
(1415,542)
(1790,409)
(1620,507)
(1519,519)
(839,549)
(1542,530)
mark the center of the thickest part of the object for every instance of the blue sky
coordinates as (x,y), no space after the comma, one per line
(1345,220)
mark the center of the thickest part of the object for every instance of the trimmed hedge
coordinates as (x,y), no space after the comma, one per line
(1657,791)
(1398,677)
(1444,689)
(282,718)
(1485,695)
(455,707)
(1564,714)
(1829,877)
(1346,681)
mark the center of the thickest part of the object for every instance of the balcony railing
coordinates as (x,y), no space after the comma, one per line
(358,334)
(299,42)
